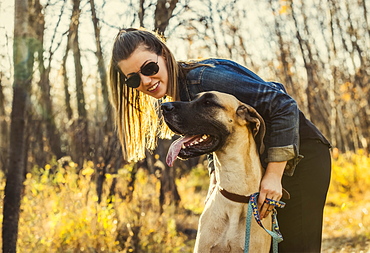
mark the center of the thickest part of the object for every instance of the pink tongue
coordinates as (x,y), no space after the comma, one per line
(175,148)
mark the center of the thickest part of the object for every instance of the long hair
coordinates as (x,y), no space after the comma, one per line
(137,114)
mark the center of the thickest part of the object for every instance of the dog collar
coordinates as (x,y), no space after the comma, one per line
(234,197)
(245,199)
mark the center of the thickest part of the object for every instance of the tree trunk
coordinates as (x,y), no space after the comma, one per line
(82,113)
(168,189)
(141,12)
(3,129)
(53,135)
(67,96)
(22,80)
(80,127)
(283,52)
(163,13)
(105,146)
(99,55)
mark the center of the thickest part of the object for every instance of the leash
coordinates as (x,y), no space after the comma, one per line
(253,211)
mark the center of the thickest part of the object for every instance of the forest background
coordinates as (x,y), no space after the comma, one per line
(64,186)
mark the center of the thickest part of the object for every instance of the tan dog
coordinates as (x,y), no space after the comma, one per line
(219,123)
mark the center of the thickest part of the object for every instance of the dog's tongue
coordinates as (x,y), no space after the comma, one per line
(175,148)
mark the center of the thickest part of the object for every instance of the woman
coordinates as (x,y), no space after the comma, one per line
(143,71)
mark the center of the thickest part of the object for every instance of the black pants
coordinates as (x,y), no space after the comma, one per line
(301,220)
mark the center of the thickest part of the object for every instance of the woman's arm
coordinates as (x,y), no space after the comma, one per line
(271,186)
(279,110)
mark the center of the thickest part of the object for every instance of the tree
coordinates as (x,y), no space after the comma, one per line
(106,143)
(53,135)
(163,14)
(3,129)
(80,127)
(168,190)
(15,168)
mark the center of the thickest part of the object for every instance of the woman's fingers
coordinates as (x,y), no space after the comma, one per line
(265,208)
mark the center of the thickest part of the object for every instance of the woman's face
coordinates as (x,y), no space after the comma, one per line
(154,85)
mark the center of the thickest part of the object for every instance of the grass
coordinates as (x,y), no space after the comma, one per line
(60,213)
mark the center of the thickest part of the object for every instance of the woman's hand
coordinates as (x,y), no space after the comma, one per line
(270,187)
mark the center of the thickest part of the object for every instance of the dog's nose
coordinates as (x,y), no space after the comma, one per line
(167,107)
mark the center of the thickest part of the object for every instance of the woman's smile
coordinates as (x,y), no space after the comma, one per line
(154,87)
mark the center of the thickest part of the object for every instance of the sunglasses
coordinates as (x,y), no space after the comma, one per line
(149,69)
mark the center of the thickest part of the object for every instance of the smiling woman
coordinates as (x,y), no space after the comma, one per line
(152,73)
(136,115)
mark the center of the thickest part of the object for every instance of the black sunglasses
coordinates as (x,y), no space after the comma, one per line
(148,69)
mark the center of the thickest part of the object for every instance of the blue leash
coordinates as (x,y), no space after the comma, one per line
(253,210)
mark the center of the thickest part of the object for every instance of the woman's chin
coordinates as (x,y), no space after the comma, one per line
(158,93)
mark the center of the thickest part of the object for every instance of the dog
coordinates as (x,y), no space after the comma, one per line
(219,123)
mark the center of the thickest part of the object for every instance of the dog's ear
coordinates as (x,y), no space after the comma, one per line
(258,127)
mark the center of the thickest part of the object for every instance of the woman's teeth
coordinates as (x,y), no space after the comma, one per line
(153,87)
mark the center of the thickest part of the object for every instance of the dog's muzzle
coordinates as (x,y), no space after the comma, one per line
(198,133)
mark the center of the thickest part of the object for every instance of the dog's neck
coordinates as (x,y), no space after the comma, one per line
(239,170)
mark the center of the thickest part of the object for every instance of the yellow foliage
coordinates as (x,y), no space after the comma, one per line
(350,177)
(348,203)
(194,189)
(60,213)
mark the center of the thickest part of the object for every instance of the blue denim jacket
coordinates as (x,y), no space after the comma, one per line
(279,110)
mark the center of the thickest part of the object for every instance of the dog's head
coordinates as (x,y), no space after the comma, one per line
(207,122)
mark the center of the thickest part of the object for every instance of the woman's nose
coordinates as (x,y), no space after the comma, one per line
(145,79)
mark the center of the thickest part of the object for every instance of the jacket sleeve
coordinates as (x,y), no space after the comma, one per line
(279,110)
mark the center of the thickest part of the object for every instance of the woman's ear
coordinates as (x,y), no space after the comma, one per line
(257,125)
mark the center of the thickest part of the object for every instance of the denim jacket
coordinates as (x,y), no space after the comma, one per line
(270,99)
